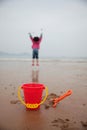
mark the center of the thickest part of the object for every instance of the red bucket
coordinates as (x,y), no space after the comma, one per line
(33,95)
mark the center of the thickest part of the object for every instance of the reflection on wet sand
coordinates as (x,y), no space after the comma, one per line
(35,76)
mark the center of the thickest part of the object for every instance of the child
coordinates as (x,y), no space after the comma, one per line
(35,47)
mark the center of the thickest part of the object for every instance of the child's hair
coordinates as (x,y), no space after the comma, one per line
(36,39)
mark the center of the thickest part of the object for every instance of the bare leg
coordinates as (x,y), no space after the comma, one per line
(33,62)
(37,62)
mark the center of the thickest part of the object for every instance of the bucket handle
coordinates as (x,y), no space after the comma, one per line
(32,105)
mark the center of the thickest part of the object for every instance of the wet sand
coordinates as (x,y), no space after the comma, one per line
(58,76)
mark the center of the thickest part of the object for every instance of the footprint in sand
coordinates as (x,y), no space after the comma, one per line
(84,124)
(14,101)
(13,93)
(74,128)
(61,123)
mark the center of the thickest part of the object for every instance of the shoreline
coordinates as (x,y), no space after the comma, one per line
(84,60)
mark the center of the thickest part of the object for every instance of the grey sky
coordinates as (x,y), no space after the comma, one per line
(64,24)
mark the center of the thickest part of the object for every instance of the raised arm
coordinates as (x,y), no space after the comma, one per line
(41,35)
(30,36)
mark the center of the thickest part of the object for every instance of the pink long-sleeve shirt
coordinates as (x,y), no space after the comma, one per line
(36,44)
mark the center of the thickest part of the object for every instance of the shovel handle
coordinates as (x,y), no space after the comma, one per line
(56,100)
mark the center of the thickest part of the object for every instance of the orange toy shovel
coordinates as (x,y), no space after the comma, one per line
(56,100)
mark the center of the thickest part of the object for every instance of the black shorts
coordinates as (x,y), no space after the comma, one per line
(35,54)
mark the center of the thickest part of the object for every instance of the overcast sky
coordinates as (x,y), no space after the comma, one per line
(64,24)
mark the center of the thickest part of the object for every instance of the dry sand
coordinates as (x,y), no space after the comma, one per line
(58,76)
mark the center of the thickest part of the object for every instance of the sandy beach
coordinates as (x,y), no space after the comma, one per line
(59,76)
